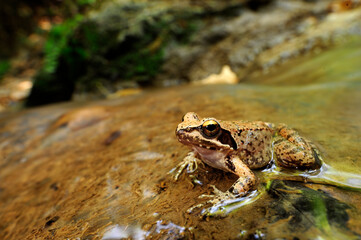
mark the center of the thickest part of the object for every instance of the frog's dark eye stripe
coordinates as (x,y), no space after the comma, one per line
(183,117)
(210,128)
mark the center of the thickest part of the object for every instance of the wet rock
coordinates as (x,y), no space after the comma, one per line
(51,221)
(303,208)
(343,5)
(93,187)
(167,230)
(112,137)
(252,42)
(80,118)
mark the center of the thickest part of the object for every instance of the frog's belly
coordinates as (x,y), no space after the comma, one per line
(212,158)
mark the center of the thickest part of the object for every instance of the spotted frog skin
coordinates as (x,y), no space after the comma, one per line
(239,146)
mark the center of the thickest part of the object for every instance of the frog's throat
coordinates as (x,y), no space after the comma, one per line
(211,157)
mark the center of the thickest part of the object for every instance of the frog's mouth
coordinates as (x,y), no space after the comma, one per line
(221,143)
(200,144)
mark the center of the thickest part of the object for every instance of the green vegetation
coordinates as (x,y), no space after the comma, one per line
(143,64)
(320,213)
(137,58)
(85,2)
(63,63)
(118,45)
(4,67)
(57,43)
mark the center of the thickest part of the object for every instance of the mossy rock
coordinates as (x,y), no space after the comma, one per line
(119,43)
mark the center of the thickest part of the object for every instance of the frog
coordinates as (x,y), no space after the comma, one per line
(240,147)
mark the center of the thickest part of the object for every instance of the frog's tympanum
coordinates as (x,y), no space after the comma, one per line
(239,146)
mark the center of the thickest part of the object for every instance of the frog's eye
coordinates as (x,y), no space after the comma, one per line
(210,128)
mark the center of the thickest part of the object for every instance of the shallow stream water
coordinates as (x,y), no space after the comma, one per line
(101,170)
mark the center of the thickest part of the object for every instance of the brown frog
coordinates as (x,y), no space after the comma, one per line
(239,146)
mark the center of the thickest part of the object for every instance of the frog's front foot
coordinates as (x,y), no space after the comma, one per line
(217,199)
(190,162)
(223,203)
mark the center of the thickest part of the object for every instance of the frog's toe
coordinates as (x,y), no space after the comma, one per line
(218,207)
(213,202)
(223,203)
(218,194)
(217,198)
(179,169)
(191,209)
(190,162)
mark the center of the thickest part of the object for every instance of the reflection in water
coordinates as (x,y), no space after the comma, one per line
(170,227)
(135,232)
(120,232)
(303,208)
(325,175)
(223,208)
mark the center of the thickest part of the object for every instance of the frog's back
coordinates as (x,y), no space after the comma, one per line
(254,141)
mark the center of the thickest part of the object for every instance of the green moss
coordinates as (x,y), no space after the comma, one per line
(85,2)
(184,30)
(140,58)
(57,42)
(132,59)
(4,67)
(109,49)
(319,211)
(64,62)
(92,38)
(140,65)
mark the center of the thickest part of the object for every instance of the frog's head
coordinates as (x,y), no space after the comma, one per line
(205,134)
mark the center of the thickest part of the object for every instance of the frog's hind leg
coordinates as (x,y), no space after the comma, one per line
(294,151)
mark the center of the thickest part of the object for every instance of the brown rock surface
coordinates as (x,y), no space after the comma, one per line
(87,171)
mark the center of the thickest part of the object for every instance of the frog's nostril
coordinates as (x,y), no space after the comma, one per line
(180,132)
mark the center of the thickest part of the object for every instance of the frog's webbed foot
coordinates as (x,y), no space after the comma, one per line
(190,162)
(223,203)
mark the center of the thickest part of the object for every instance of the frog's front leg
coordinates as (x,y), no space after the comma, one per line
(245,183)
(294,151)
(246,180)
(190,162)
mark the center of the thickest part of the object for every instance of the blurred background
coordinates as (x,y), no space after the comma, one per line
(86,49)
